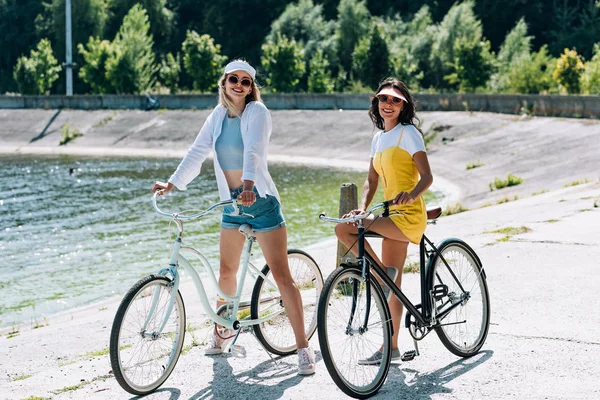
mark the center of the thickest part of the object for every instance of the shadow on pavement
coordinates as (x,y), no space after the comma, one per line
(426,385)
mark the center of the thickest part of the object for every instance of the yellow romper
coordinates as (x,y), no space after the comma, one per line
(399,173)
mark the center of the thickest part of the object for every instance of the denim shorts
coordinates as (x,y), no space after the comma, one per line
(266,211)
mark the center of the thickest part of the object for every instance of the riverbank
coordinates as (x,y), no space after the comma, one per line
(547,153)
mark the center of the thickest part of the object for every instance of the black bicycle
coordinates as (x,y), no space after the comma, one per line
(354,319)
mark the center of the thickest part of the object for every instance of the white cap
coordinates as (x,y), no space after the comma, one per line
(240,66)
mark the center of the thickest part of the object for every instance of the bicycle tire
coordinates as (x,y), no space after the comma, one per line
(464,329)
(129,344)
(276,335)
(342,345)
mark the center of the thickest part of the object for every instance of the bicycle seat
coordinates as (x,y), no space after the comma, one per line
(245,229)
(434,213)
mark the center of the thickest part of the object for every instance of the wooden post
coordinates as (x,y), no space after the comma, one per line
(348,202)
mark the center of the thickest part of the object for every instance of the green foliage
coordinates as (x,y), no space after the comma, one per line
(590,79)
(36,74)
(202,61)
(352,24)
(569,68)
(454,209)
(532,73)
(516,44)
(170,68)
(132,67)
(472,65)
(473,165)
(371,59)
(94,70)
(511,180)
(460,22)
(68,134)
(283,63)
(319,77)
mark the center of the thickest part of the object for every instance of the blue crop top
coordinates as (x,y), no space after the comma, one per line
(229,146)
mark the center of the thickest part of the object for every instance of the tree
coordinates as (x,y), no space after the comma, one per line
(371,59)
(460,22)
(88,18)
(472,65)
(202,61)
(94,70)
(516,45)
(283,61)
(569,68)
(36,74)
(160,17)
(532,73)
(16,20)
(352,24)
(590,79)
(132,67)
(319,78)
(170,68)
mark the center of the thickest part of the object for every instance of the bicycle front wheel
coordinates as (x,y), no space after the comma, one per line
(463,313)
(348,345)
(142,358)
(276,333)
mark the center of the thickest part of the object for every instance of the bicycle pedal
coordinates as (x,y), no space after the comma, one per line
(409,355)
(439,291)
(237,351)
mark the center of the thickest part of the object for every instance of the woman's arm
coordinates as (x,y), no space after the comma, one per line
(369,187)
(425,181)
(256,140)
(190,166)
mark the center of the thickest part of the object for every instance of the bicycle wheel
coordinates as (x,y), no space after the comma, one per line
(463,328)
(141,358)
(345,343)
(276,333)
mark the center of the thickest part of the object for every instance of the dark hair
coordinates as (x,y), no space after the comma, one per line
(407,116)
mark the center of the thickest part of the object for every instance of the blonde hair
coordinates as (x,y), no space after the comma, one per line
(224,99)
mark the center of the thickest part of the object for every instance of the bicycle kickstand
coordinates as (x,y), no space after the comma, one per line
(235,349)
(411,354)
(266,351)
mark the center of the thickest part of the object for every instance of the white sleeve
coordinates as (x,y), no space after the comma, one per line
(374,144)
(190,166)
(256,141)
(412,140)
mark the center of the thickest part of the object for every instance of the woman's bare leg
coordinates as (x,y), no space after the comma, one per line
(231,246)
(274,247)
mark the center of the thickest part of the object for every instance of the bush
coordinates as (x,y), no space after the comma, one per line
(569,68)
(96,56)
(283,61)
(36,74)
(590,79)
(511,180)
(202,61)
(67,133)
(532,73)
(169,70)
(319,78)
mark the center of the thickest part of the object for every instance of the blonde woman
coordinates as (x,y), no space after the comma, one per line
(237,133)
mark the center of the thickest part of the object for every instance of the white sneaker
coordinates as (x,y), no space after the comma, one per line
(218,340)
(306,361)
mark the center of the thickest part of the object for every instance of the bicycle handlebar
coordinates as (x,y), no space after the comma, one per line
(236,210)
(353,218)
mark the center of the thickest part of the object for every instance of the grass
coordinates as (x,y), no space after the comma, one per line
(20,377)
(81,384)
(454,209)
(103,309)
(68,134)
(104,121)
(506,200)
(411,267)
(511,180)
(508,232)
(476,164)
(551,221)
(36,398)
(540,192)
(98,353)
(14,332)
(575,183)
(596,204)
(63,363)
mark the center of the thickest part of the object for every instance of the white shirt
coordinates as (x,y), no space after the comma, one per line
(412,140)
(256,131)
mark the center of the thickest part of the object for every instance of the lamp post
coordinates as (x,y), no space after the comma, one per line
(69,64)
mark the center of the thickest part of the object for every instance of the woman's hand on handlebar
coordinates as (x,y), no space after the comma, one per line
(162,187)
(352,213)
(403,198)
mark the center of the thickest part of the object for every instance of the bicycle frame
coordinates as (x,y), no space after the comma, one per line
(177,259)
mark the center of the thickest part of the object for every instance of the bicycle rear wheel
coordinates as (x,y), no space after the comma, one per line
(141,358)
(276,333)
(345,343)
(463,327)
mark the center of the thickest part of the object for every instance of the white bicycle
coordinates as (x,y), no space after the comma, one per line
(149,328)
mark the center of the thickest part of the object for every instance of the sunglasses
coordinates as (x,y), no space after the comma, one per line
(245,82)
(385,99)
